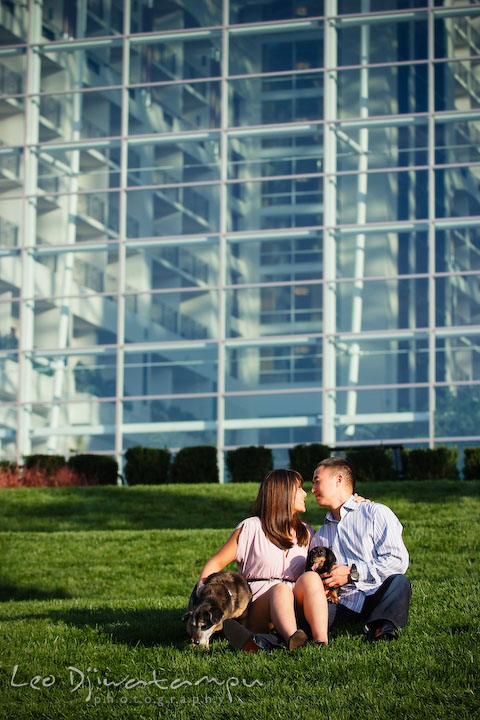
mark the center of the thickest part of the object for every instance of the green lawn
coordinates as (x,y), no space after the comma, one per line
(94,581)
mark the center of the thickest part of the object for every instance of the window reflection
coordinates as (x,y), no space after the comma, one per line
(175,59)
(392,90)
(277,258)
(270,366)
(157,15)
(275,51)
(269,10)
(171,371)
(276,153)
(170,316)
(168,161)
(458,357)
(277,99)
(255,312)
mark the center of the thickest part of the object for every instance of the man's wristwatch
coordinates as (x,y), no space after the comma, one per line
(353,576)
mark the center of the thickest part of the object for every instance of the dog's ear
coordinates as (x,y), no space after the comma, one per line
(216,614)
(330,556)
(187,615)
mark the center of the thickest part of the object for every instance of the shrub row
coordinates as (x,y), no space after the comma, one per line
(383,463)
(198,464)
(251,464)
(149,466)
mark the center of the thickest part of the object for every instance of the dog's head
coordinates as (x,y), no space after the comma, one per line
(202,621)
(320,559)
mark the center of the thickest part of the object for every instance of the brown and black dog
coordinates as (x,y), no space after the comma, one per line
(321,560)
(224,594)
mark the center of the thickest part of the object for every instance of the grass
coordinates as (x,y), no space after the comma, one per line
(97,579)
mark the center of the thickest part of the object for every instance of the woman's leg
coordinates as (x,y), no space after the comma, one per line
(277,607)
(310,595)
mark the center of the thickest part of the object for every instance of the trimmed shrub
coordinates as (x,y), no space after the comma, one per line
(305,458)
(471,467)
(146,466)
(50,463)
(197,464)
(7,465)
(97,469)
(431,463)
(371,463)
(249,464)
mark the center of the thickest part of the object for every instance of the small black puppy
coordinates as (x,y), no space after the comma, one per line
(321,560)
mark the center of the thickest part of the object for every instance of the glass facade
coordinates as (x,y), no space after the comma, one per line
(238,222)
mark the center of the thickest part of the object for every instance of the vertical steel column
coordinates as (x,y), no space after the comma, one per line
(222,255)
(27,305)
(329,402)
(431,228)
(362,189)
(122,238)
(66,260)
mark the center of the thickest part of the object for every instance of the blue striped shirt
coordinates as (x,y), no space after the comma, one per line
(369,535)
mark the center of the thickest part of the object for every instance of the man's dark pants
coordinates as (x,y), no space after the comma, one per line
(389,603)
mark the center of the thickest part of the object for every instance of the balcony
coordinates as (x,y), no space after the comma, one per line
(13,23)
(96,216)
(9,169)
(10,84)
(177,323)
(190,204)
(50,118)
(8,233)
(48,186)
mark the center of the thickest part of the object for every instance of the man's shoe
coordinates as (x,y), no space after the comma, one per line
(298,639)
(384,631)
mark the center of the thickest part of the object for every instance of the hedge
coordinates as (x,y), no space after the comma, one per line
(49,463)
(305,458)
(197,464)
(146,466)
(97,469)
(431,463)
(371,463)
(249,464)
(471,466)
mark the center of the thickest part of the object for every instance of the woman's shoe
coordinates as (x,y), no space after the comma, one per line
(298,639)
(240,638)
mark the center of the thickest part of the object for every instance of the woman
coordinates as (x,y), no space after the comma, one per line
(270,549)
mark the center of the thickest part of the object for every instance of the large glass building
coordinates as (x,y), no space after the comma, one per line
(238,222)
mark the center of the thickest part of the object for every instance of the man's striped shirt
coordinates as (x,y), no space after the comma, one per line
(370,535)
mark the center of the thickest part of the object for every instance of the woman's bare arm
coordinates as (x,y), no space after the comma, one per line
(222,557)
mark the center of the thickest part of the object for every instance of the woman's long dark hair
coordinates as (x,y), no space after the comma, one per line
(274,506)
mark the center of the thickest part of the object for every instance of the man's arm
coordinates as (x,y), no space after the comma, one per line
(390,554)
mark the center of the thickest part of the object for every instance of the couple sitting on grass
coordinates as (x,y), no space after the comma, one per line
(271,548)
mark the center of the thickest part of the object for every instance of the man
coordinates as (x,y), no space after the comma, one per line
(372,558)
